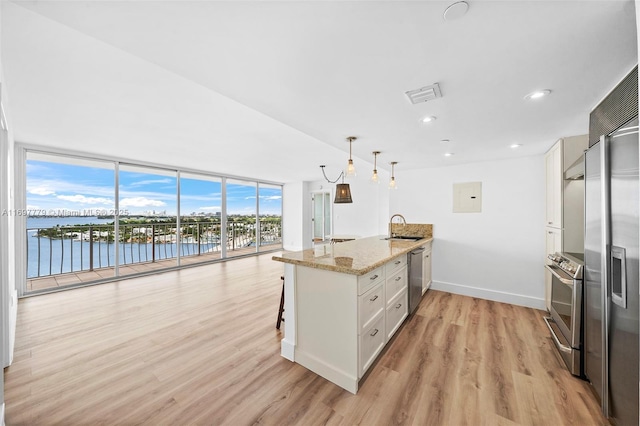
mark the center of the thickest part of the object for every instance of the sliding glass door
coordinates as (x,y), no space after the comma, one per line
(91,220)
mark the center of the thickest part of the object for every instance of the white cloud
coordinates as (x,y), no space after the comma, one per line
(152,181)
(271,197)
(81,199)
(210,208)
(40,190)
(141,202)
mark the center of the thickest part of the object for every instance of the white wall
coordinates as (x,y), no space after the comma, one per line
(368,214)
(296,232)
(495,254)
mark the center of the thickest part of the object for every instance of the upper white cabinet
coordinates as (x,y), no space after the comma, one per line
(564,221)
(553,169)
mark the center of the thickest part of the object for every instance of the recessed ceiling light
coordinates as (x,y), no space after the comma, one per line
(515,145)
(538,94)
(429,119)
(448,154)
(455,10)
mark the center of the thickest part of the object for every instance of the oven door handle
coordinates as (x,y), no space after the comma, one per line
(552,269)
(563,348)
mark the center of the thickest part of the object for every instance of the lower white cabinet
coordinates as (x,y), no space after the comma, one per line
(371,342)
(343,321)
(426,269)
(370,305)
(397,311)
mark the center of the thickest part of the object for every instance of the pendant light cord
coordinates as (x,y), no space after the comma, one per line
(332,181)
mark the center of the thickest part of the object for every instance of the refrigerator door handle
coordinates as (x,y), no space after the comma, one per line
(604,267)
(619,276)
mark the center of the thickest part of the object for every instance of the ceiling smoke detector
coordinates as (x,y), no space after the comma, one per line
(424,94)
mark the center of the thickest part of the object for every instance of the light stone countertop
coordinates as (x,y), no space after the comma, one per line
(355,257)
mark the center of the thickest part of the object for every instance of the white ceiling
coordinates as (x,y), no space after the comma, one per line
(246,88)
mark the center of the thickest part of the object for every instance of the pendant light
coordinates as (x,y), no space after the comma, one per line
(351,170)
(374,177)
(343,191)
(392,182)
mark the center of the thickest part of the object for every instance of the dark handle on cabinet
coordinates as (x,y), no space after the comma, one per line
(399,305)
(373,298)
(397,262)
(398,278)
(374,332)
(373,277)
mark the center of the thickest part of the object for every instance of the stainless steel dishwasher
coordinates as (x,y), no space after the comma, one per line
(415,278)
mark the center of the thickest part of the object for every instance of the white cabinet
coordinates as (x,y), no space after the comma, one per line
(396,291)
(553,175)
(397,311)
(370,305)
(426,269)
(343,321)
(564,219)
(553,244)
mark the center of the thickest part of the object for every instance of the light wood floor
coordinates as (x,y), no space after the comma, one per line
(199,346)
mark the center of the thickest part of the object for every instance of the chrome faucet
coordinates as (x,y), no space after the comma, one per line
(404,222)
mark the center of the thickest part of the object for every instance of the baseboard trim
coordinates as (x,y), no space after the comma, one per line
(287,350)
(496,296)
(329,372)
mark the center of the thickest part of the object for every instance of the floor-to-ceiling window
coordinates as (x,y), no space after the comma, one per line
(270,216)
(91,220)
(70,235)
(148,226)
(200,217)
(241,217)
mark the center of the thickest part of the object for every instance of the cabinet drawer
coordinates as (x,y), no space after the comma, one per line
(395,264)
(396,313)
(370,304)
(368,280)
(396,283)
(371,343)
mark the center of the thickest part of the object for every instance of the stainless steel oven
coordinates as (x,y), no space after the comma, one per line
(565,322)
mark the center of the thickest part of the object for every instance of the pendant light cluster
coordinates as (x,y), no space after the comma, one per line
(374,176)
(343,191)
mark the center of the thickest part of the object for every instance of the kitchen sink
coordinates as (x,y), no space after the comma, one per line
(403,238)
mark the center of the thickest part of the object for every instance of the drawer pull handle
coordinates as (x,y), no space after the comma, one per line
(398,262)
(398,278)
(373,277)
(373,298)
(398,305)
(374,332)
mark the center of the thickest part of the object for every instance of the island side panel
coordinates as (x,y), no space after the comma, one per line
(288,343)
(327,325)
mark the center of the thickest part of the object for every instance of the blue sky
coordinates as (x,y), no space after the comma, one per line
(54,187)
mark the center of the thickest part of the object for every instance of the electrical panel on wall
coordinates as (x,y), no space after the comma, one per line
(467,197)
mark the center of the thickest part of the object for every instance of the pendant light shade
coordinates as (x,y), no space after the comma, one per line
(351,169)
(343,191)
(374,176)
(392,182)
(343,194)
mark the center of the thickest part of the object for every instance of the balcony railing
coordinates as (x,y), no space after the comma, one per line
(78,248)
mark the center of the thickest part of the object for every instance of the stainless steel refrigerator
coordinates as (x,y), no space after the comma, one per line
(611,272)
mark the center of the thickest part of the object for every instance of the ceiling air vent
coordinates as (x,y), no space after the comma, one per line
(424,94)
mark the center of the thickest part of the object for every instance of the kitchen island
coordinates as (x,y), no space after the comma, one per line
(343,302)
